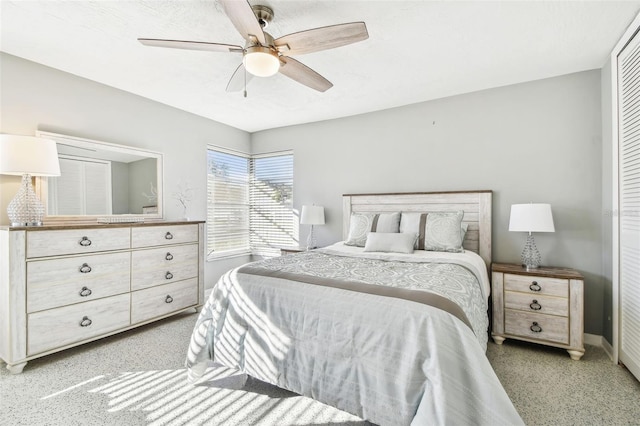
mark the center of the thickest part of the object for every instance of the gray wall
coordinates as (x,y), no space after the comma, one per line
(539,141)
(119,187)
(34,97)
(533,142)
(607,203)
(142,174)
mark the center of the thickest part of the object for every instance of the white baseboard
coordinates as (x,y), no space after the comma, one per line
(596,340)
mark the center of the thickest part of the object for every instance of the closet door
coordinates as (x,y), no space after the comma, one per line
(629,204)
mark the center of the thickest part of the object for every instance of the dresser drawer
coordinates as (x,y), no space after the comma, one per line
(57,282)
(536,285)
(163,235)
(58,327)
(163,265)
(164,299)
(551,328)
(536,303)
(75,241)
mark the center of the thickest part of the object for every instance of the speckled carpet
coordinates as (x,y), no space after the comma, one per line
(137,378)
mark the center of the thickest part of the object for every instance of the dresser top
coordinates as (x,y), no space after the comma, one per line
(49,227)
(543,271)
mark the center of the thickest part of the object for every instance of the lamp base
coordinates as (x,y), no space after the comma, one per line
(25,209)
(311,240)
(530,255)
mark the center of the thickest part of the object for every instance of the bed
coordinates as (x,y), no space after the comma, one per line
(393,334)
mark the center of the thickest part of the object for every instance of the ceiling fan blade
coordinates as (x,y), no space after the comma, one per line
(190,45)
(301,73)
(321,38)
(237,81)
(243,18)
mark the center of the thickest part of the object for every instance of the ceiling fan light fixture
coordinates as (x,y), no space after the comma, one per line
(261,61)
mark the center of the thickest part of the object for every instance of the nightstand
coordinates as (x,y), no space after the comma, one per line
(292,249)
(543,305)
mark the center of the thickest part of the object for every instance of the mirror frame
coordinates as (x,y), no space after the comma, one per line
(41,182)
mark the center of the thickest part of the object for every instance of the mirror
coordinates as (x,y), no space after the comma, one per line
(100,179)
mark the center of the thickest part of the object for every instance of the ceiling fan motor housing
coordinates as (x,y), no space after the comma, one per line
(263,13)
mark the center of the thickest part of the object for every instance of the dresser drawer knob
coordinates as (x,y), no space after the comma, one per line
(85,292)
(535,327)
(168,299)
(86,322)
(535,286)
(168,236)
(85,242)
(169,256)
(85,269)
(168,275)
(535,305)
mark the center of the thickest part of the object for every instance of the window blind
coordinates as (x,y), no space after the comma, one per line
(271,213)
(250,203)
(227,203)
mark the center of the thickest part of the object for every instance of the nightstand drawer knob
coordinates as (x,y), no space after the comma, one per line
(535,286)
(535,327)
(535,305)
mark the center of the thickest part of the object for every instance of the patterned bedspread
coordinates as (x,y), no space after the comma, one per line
(387,360)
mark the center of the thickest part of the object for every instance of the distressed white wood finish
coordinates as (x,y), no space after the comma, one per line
(548,286)
(163,265)
(61,326)
(553,328)
(560,298)
(475,204)
(40,288)
(546,304)
(163,235)
(13,308)
(497,295)
(68,241)
(163,299)
(59,282)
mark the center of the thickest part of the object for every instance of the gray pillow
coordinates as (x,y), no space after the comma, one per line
(390,242)
(443,232)
(360,224)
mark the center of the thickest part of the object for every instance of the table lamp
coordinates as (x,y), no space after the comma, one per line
(312,215)
(27,156)
(531,218)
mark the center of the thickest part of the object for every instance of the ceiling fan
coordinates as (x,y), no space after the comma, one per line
(264,56)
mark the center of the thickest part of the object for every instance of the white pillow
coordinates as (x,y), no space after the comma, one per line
(443,232)
(390,242)
(360,224)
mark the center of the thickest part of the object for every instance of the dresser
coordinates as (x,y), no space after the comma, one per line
(65,285)
(543,305)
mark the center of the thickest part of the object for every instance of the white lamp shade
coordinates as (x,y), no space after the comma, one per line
(28,155)
(531,218)
(312,215)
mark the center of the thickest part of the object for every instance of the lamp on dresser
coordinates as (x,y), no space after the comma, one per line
(531,218)
(27,156)
(312,215)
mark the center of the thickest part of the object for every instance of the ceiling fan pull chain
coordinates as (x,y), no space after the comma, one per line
(245,81)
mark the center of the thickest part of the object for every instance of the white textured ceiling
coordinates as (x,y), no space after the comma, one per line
(416,51)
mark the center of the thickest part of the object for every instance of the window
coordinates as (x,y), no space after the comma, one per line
(250,203)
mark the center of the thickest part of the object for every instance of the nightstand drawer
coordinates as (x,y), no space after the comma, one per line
(536,303)
(537,326)
(536,285)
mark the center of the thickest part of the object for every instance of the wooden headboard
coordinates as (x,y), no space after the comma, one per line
(475,204)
